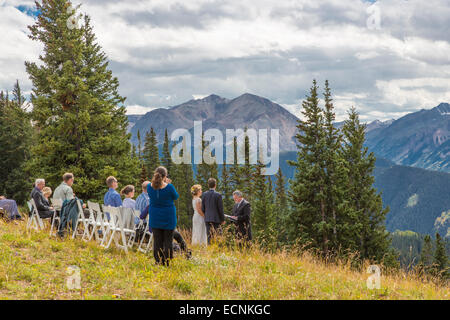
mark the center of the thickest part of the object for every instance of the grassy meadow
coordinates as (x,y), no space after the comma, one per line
(34,266)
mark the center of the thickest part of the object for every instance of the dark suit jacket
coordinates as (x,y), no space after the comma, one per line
(212,206)
(42,204)
(243,225)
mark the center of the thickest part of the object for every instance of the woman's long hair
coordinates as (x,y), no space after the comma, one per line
(158,177)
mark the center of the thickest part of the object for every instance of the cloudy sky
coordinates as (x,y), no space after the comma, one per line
(387,58)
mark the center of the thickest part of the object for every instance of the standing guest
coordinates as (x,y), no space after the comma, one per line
(128,192)
(42,205)
(112,197)
(162,215)
(241,216)
(64,191)
(143,200)
(198,220)
(212,206)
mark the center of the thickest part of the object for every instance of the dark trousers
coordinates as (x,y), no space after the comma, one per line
(213,229)
(162,246)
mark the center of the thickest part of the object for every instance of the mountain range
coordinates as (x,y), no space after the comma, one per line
(420,139)
(419,199)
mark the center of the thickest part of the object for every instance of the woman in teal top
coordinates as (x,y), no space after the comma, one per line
(162,215)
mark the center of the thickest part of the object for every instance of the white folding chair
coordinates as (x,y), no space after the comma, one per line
(97,221)
(83,220)
(57,205)
(145,247)
(117,226)
(35,220)
(129,216)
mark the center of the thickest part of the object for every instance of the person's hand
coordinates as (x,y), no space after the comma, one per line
(234,217)
(2,198)
(168,180)
(84,205)
(51,208)
(223,222)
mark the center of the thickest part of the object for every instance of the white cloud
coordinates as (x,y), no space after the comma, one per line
(165,52)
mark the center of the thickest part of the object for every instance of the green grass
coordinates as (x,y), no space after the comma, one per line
(33,266)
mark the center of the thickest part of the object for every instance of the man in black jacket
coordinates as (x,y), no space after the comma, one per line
(241,217)
(43,207)
(212,206)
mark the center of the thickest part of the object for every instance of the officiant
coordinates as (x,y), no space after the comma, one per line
(241,217)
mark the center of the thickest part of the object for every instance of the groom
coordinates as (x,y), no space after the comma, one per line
(212,206)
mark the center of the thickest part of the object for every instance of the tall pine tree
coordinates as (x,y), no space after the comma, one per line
(151,152)
(308,222)
(367,230)
(77,109)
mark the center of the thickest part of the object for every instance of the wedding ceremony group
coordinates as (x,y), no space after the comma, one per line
(155,207)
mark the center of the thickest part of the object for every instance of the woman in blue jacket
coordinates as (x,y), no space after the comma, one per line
(162,215)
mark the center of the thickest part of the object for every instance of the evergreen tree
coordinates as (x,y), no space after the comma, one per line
(309,224)
(182,176)
(226,189)
(166,159)
(205,170)
(281,206)
(144,175)
(236,180)
(368,224)
(440,259)
(139,145)
(247,171)
(16,136)
(426,255)
(77,110)
(338,212)
(263,222)
(151,152)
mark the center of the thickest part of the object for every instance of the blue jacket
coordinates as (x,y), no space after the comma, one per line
(162,211)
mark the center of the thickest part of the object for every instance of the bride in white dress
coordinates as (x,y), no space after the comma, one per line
(198,220)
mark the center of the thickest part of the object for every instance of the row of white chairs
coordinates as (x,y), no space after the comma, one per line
(105,226)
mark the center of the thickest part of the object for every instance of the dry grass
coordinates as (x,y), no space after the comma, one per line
(33,266)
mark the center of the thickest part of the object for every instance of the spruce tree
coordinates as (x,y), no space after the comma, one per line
(281,207)
(166,159)
(151,152)
(440,259)
(309,224)
(182,176)
(367,229)
(226,188)
(236,180)
(205,170)
(263,222)
(339,213)
(16,137)
(139,145)
(77,109)
(426,255)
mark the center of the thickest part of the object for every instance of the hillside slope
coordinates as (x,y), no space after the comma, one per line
(33,266)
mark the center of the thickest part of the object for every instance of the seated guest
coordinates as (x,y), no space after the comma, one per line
(128,192)
(10,206)
(112,197)
(47,192)
(42,205)
(64,191)
(143,200)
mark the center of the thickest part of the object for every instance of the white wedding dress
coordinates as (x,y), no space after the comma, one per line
(198,226)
